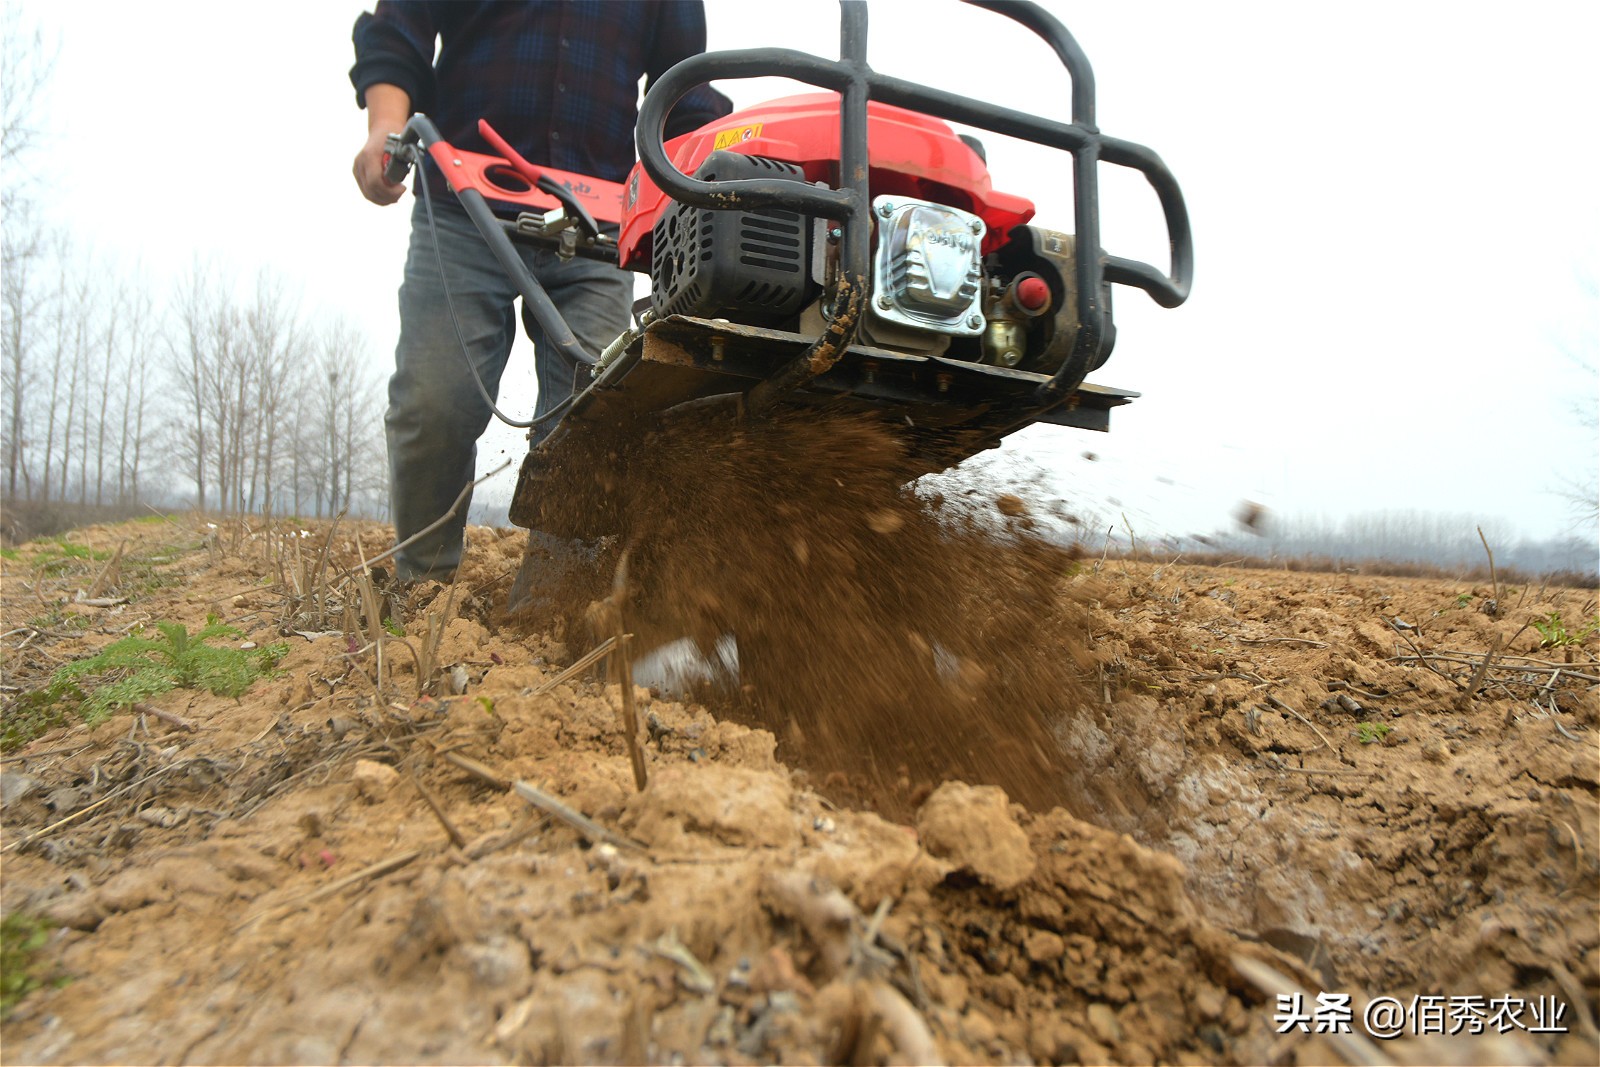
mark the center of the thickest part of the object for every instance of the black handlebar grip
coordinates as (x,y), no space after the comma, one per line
(396,159)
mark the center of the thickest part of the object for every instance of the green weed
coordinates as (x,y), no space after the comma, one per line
(31,715)
(60,620)
(1553,631)
(139,667)
(1369,733)
(56,555)
(64,549)
(21,937)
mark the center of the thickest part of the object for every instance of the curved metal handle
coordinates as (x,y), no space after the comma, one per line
(1171,288)
(650,133)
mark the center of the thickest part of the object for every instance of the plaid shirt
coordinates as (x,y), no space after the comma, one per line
(558,79)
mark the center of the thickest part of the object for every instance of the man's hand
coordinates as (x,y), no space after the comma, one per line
(369,171)
(388,108)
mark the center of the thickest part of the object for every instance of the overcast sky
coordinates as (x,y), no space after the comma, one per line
(1397,239)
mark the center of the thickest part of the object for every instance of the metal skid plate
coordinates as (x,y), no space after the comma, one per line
(951,409)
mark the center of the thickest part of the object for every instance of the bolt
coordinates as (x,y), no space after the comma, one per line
(835,234)
(718,344)
(456,162)
(975,320)
(869,371)
(885,302)
(886,208)
(944,381)
(977,225)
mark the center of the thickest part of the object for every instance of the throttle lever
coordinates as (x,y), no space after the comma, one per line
(398,155)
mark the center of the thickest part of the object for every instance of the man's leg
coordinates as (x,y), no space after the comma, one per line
(436,412)
(596,300)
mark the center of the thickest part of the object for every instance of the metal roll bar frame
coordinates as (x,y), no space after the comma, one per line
(848,205)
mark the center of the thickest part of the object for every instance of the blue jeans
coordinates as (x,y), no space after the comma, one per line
(436,413)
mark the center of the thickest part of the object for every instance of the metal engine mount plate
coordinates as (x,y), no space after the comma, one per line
(928,272)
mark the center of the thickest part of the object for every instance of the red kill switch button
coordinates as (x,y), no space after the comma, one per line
(1033,293)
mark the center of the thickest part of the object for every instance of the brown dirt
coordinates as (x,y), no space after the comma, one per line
(887,638)
(279,890)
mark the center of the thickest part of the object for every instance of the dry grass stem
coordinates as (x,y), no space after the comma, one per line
(1494,579)
(165,716)
(1483,669)
(588,659)
(450,829)
(1281,706)
(478,770)
(382,867)
(1271,982)
(435,524)
(109,575)
(580,822)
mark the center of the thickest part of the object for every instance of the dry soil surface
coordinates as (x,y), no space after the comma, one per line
(1266,783)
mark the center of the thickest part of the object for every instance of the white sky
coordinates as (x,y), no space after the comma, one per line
(1397,239)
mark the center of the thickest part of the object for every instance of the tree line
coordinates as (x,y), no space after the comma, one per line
(1433,539)
(119,392)
(118,389)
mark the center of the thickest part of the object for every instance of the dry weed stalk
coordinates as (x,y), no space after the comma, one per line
(450,828)
(109,575)
(845,946)
(382,867)
(582,663)
(370,606)
(605,616)
(1281,706)
(432,526)
(308,592)
(1494,579)
(623,667)
(545,802)
(428,659)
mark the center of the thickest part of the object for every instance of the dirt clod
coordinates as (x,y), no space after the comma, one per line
(972,829)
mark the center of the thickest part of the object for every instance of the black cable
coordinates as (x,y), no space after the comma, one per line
(444,285)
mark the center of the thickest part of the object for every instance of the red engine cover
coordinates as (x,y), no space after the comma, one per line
(910,155)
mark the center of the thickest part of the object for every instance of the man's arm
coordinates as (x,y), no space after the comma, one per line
(392,73)
(388,108)
(680,32)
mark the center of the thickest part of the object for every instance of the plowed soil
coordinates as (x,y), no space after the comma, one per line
(1255,783)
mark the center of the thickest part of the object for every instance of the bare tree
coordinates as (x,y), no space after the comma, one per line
(79,306)
(25,68)
(190,367)
(136,309)
(339,449)
(58,357)
(276,353)
(22,301)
